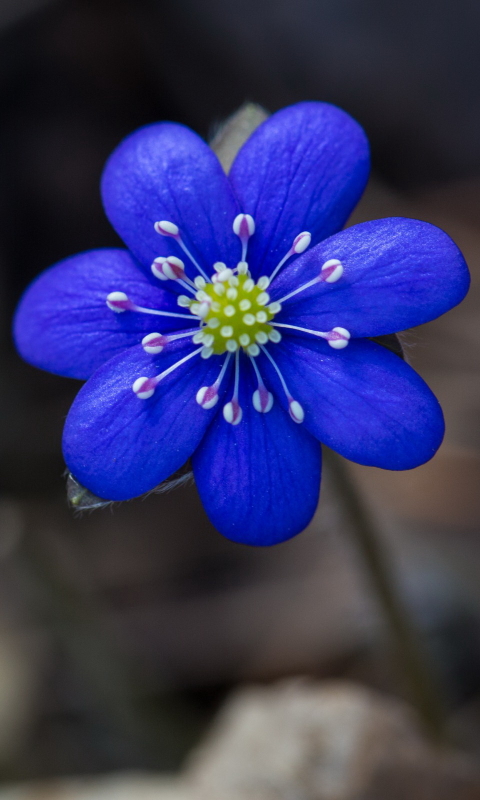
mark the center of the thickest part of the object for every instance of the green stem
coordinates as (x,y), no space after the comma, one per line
(421,680)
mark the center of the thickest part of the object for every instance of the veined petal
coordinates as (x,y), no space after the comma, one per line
(363,401)
(259,480)
(303,169)
(398,273)
(120,446)
(166,172)
(63,324)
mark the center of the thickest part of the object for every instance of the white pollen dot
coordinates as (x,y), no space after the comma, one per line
(261,337)
(202,296)
(263,298)
(219,266)
(195,309)
(198,338)
(215,306)
(275,336)
(224,275)
(244,339)
(232,345)
(253,349)
(274,308)
(244,305)
(226,331)
(219,289)
(263,282)
(208,339)
(249,319)
(301,242)
(213,322)
(248,285)
(296,411)
(206,352)
(184,301)
(229,311)
(242,267)
(232,293)
(233,280)
(199,282)
(261,316)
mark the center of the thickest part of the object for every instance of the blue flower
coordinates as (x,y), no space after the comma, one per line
(236,328)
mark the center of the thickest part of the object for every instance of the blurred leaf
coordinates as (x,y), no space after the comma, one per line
(235,131)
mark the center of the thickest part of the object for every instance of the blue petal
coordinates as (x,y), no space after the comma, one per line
(166,172)
(119,446)
(363,401)
(259,480)
(63,324)
(305,168)
(398,273)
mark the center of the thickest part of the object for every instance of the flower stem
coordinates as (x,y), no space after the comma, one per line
(417,671)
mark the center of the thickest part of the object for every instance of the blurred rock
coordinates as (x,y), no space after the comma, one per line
(325,742)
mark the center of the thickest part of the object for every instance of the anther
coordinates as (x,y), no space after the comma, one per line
(263,298)
(144,387)
(244,227)
(296,411)
(169,269)
(299,245)
(331,271)
(119,301)
(154,343)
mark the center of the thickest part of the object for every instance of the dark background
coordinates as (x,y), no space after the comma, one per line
(122,630)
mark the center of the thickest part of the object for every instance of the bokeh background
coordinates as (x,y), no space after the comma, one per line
(122,630)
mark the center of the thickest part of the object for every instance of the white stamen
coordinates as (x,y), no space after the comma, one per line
(263,298)
(274,308)
(253,350)
(229,311)
(249,319)
(232,412)
(261,337)
(219,289)
(200,282)
(242,267)
(263,282)
(262,398)
(119,301)
(232,293)
(331,272)
(261,316)
(300,244)
(275,336)
(244,227)
(219,266)
(213,322)
(295,409)
(226,331)
(232,345)
(248,285)
(166,228)
(207,352)
(244,339)
(244,305)
(207,396)
(184,301)
(337,338)
(145,387)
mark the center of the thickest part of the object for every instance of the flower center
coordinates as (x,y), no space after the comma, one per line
(235,312)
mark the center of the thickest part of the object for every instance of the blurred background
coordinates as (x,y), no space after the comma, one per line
(123,630)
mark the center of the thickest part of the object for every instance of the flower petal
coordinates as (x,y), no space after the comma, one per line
(259,480)
(119,446)
(166,172)
(63,324)
(363,401)
(304,169)
(398,273)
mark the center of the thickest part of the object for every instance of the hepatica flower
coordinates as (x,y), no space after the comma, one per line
(236,329)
